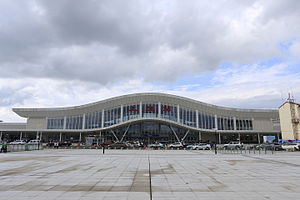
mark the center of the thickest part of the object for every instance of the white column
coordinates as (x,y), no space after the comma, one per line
(159,110)
(80,137)
(216,122)
(234,123)
(37,135)
(41,135)
(60,134)
(65,122)
(100,136)
(141,106)
(197,118)
(258,138)
(121,114)
(178,114)
(239,135)
(219,138)
(83,121)
(102,119)
(21,136)
(1,136)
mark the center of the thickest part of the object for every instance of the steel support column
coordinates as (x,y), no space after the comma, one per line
(185,135)
(114,135)
(125,133)
(174,133)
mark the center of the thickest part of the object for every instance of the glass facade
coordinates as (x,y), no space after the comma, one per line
(131,112)
(244,124)
(150,110)
(74,122)
(206,121)
(55,123)
(148,132)
(112,116)
(93,120)
(168,112)
(225,123)
(187,117)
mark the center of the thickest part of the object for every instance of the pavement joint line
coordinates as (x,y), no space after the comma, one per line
(150,184)
(273,161)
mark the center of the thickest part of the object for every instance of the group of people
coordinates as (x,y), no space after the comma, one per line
(4,148)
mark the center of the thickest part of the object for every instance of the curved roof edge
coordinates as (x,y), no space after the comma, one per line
(21,110)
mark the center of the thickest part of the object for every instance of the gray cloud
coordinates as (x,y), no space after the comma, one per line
(110,41)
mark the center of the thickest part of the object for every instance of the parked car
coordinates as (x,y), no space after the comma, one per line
(34,142)
(294,146)
(190,146)
(269,146)
(233,145)
(201,146)
(118,145)
(106,143)
(176,145)
(156,146)
(18,142)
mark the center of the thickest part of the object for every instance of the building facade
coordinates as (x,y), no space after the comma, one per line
(289,114)
(146,117)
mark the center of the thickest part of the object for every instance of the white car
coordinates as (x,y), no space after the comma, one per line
(34,142)
(233,145)
(295,146)
(176,145)
(201,146)
(156,145)
(18,142)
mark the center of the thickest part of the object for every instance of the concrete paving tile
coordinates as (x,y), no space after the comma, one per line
(124,174)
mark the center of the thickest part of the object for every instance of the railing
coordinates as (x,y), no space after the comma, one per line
(23,147)
(248,149)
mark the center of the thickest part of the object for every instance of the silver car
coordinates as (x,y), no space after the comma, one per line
(201,146)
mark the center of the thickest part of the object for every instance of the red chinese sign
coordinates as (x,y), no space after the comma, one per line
(150,108)
(133,109)
(167,108)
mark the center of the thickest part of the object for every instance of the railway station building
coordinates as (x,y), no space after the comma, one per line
(144,117)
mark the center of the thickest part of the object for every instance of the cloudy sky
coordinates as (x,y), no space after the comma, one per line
(233,53)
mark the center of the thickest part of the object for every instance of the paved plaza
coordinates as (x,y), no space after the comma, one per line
(148,174)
